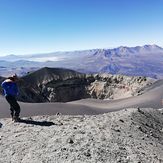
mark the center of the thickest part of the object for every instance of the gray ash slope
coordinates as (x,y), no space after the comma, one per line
(64,85)
(130,135)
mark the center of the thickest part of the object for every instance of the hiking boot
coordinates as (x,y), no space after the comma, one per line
(12,117)
(16,119)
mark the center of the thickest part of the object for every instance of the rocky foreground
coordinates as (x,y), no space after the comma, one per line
(129,135)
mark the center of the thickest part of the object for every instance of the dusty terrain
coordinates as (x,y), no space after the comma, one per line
(129,135)
(89,134)
(88,130)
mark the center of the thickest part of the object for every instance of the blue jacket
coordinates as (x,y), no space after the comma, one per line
(10,87)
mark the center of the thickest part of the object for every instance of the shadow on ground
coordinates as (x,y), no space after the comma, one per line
(43,123)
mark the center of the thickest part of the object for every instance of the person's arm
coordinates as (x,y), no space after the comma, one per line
(3,85)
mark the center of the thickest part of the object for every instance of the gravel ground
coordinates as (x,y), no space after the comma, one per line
(129,135)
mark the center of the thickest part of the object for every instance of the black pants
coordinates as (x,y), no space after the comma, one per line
(14,106)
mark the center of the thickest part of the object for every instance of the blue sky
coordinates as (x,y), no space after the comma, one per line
(38,26)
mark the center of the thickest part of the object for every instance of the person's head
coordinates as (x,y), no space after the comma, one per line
(13,77)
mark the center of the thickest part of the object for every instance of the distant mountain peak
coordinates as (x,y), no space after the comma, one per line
(154,46)
(147,46)
(138,49)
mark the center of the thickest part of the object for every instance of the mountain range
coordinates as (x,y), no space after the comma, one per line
(134,61)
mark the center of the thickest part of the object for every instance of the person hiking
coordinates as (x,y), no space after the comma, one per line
(11,91)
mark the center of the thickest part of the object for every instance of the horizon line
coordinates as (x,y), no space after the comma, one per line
(78,50)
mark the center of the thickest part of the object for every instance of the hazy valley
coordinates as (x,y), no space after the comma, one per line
(133,61)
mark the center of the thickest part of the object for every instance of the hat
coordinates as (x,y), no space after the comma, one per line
(14,76)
